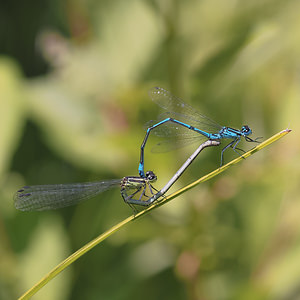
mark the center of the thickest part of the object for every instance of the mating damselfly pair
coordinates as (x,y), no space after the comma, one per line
(181,121)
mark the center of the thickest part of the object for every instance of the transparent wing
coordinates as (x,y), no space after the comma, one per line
(170,129)
(182,111)
(176,130)
(170,144)
(54,196)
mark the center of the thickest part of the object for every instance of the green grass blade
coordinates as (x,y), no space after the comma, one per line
(216,172)
(64,264)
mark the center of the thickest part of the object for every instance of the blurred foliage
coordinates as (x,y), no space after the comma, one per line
(74,77)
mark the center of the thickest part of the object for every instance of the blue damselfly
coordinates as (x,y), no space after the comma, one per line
(181,115)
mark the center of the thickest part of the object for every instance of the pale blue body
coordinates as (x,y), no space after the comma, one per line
(185,116)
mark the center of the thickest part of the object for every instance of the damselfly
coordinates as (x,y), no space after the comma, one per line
(134,190)
(181,115)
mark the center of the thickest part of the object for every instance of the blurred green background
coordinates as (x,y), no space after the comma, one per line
(74,77)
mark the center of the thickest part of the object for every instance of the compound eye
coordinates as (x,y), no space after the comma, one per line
(245,128)
(150,175)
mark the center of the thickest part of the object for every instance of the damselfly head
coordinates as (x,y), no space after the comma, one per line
(246,130)
(151,176)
